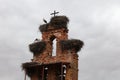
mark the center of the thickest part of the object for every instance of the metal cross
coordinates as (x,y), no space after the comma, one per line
(54,13)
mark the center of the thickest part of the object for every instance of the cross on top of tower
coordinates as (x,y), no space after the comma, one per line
(54,13)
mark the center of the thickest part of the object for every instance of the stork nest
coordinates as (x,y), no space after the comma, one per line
(28,68)
(71,44)
(44,27)
(28,65)
(37,47)
(56,22)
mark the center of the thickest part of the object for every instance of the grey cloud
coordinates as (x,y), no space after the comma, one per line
(96,22)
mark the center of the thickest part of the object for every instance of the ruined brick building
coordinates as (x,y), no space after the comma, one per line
(62,66)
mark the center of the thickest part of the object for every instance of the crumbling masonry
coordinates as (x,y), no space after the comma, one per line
(45,66)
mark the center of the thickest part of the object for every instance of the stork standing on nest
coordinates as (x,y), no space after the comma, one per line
(36,40)
(45,21)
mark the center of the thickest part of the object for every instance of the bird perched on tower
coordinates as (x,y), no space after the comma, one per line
(36,40)
(45,21)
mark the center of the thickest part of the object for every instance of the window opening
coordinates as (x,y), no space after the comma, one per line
(54,48)
(45,73)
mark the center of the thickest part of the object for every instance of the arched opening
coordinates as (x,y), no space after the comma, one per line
(53,40)
(54,48)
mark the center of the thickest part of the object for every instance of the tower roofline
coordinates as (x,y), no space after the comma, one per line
(56,22)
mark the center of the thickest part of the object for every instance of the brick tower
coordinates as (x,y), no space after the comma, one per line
(45,66)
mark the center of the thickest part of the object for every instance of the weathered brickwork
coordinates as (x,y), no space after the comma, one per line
(45,66)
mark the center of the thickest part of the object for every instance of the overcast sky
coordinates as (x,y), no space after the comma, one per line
(96,22)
